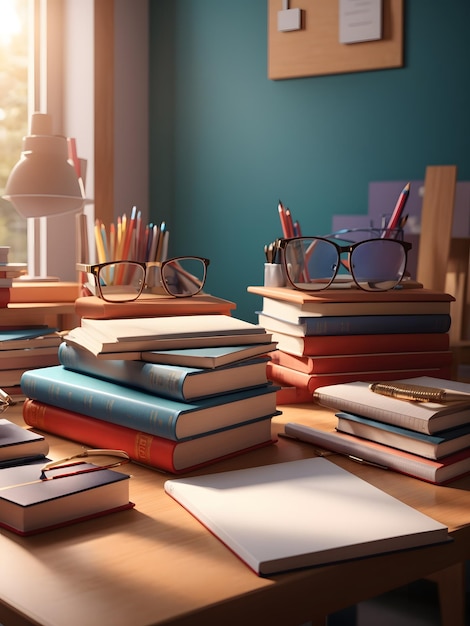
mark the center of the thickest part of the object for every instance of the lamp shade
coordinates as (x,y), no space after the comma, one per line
(44,182)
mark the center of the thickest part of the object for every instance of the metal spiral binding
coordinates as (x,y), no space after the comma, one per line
(416,393)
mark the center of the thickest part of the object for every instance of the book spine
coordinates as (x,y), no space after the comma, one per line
(137,409)
(376,324)
(154,379)
(310,382)
(142,447)
(86,395)
(388,437)
(386,457)
(364,362)
(356,344)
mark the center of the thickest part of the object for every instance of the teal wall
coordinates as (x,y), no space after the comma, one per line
(226,143)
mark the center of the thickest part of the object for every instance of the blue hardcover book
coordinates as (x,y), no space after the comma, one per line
(209,356)
(430,446)
(358,324)
(149,413)
(171,381)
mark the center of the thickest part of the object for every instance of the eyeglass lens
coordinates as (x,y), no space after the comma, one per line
(313,264)
(184,276)
(120,282)
(124,280)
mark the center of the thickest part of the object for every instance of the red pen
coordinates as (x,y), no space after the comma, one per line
(397,211)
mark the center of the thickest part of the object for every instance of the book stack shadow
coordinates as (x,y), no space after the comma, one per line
(343,335)
(423,439)
(176,392)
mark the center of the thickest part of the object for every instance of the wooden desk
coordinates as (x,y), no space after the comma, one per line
(157,565)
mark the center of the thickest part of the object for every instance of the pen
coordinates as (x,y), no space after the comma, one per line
(418,393)
(397,212)
(323,453)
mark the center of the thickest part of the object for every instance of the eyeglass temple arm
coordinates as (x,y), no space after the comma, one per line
(85,454)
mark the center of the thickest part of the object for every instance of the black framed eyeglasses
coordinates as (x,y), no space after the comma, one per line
(316,263)
(73,465)
(124,281)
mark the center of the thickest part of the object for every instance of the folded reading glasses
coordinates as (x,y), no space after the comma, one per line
(73,465)
(315,263)
(124,281)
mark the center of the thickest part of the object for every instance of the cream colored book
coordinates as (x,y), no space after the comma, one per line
(301,514)
(171,327)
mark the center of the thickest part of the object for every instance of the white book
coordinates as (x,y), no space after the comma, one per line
(422,417)
(294,312)
(300,514)
(171,327)
(103,348)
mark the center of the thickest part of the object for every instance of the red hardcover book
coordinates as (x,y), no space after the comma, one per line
(4,296)
(361,344)
(362,362)
(151,305)
(293,395)
(157,452)
(286,376)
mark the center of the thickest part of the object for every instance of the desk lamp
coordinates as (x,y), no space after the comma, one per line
(43,183)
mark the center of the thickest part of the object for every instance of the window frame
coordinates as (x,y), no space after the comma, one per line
(86,55)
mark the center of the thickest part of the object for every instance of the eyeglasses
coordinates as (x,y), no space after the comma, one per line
(5,401)
(124,281)
(102,459)
(315,263)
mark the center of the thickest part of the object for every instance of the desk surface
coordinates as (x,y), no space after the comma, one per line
(155,564)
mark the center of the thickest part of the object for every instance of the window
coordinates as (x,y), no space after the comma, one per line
(14,62)
(87,66)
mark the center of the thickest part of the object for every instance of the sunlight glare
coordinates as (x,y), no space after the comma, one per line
(10,24)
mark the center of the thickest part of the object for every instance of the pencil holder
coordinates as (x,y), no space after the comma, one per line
(274,275)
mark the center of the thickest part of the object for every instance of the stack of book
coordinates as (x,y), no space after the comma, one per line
(25,348)
(343,335)
(174,392)
(426,440)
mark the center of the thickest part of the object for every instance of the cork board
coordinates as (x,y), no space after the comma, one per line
(315,49)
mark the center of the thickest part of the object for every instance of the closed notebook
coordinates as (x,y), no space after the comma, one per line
(29,505)
(424,417)
(301,514)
